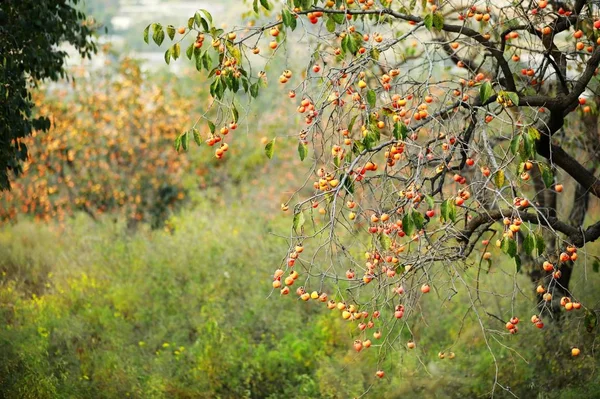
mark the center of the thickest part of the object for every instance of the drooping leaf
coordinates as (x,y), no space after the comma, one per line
(302,150)
(266,4)
(337,18)
(430,201)
(408,224)
(485,91)
(207,15)
(428,21)
(146,33)
(176,51)
(418,219)
(517,263)
(515,144)
(499,178)
(509,246)
(513,97)
(438,21)
(270,148)
(596,266)
(371,98)
(400,131)
(190,51)
(197,137)
(211,126)
(235,115)
(168,55)
(547,175)
(254,90)
(385,241)
(171,31)
(185,141)
(529,244)
(540,245)
(299,220)
(159,34)
(330,25)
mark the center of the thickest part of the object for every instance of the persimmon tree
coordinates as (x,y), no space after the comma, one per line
(431,133)
(104,152)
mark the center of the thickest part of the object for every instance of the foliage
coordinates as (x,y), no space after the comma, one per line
(111,313)
(32,32)
(434,132)
(107,151)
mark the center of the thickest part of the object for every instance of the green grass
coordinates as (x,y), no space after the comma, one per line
(97,310)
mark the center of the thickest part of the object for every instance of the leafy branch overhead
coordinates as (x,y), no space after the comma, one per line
(440,136)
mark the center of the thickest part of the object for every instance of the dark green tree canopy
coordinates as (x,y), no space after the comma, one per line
(30,34)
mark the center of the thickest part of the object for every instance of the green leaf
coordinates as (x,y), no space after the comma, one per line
(375,53)
(177,143)
(513,97)
(533,133)
(385,241)
(197,137)
(408,224)
(348,183)
(176,51)
(351,125)
(528,147)
(438,21)
(254,90)
(518,263)
(199,62)
(330,25)
(168,55)
(485,92)
(371,98)
(591,320)
(529,244)
(269,148)
(190,23)
(515,144)
(207,15)
(448,210)
(265,4)
(452,210)
(211,126)
(171,31)
(337,18)
(200,22)
(159,34)
(540,245)
(349,44)
(206,60)
(430,201)
(596,266)
(428,21)
(400,131)
(418,219)
(190,52)
(509,246)
(302,150)
(299,220)
(185,141)
(499,178)
(146,33)
(547,175)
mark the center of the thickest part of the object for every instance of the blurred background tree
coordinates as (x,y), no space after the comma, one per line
(31,33)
